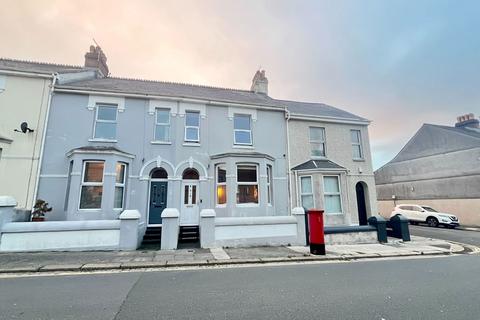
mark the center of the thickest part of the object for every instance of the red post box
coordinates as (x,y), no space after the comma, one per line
(317,237)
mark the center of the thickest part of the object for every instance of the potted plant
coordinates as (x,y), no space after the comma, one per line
(41,207)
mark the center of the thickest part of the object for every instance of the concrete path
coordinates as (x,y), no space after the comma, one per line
(148,259)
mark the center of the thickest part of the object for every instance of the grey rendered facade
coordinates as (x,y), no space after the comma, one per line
(70,143)
(439,167)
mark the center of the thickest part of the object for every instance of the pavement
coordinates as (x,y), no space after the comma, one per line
(427,287)
(196,257)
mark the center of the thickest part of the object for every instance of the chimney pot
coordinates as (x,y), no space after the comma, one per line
(467,121)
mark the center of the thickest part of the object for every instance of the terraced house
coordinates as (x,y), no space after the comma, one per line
(114,144)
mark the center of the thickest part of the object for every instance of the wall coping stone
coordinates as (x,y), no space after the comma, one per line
(170,213)
(130,215)
(208,213)
(7,201)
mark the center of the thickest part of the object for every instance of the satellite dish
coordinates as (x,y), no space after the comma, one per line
(24,128)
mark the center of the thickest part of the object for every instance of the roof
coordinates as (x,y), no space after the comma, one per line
(432,139)
(172,89)
(323,164)
(319,110)
(36,67)
(99,149)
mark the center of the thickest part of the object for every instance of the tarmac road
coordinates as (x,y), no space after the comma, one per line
(421,288)
(463,236)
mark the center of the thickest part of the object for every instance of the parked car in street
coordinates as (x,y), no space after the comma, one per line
(420,213)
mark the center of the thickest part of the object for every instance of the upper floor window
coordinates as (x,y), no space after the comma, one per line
(242,129)
(247,184)
(192,126)
(120,179)
(162,125)
(92,185)
(221,185)
(306,192)
(356,138)
(331,192)
(317,142)
(105,122)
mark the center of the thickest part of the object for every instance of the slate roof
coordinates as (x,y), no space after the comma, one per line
(318,109)
(318,165)
(171,89)
(36,67)
(432,139)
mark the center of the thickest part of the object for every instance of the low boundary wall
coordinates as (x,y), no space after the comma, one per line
(252,231)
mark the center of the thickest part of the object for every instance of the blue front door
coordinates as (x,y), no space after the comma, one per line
(158,201)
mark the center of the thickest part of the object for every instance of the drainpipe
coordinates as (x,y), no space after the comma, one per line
(290,191)
(42,146)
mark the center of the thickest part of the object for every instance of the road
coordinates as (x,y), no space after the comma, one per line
(421,288)
(463,236)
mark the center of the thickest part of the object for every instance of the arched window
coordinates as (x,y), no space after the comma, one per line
(159,173)
(190,174)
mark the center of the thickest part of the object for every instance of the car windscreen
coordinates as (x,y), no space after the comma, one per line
(429,209)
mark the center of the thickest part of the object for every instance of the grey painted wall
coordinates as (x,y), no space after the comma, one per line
(71,125)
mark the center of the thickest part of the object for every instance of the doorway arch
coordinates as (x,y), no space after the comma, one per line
(361,190)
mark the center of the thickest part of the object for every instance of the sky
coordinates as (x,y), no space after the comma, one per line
(398,63)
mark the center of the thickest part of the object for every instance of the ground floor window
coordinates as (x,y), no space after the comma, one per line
(92,185)
(120,178)
(332,194)
(269,184)
(221,180)
(247,184)
(306,192)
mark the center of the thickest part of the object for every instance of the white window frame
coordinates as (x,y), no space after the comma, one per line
(220,205)
(192,127)
(97,106)
(120,184)
(91,184)
(339,193)
(248,204)
(168,124)
(304,193)
(242,130)
(316,142)
(357,144)
(269,185)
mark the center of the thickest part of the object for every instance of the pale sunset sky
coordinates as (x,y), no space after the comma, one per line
(397,63)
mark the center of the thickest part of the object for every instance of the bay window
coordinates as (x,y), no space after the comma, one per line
(120,178)
(247,184)
(221,185)
(92,185)
(331,191)
(105,122)
(306,192)
(269,185)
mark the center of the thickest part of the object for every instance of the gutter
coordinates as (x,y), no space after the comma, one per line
(330,119)
(170,98)
(44,137)
(25,74)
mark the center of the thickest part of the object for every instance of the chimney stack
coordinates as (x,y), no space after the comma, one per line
(260,82)
(95,58)
(467,121)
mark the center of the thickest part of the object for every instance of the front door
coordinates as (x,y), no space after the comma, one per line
(361,205)
(189,214)
(158,201)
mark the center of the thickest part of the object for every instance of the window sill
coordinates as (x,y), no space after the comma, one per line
(239,146)
(102,140)
(191,144)
(248,205)
(160,142)
(318,157)
(334,214)
(221,206)
(90,210)
(358,160)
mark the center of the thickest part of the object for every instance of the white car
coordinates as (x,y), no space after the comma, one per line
(420,213)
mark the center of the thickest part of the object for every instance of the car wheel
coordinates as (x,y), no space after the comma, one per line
(432,222)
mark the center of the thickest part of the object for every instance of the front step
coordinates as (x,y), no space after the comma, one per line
(152,236)
(189,234)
